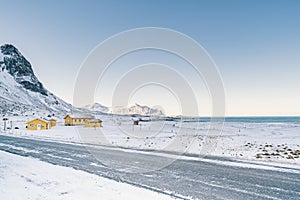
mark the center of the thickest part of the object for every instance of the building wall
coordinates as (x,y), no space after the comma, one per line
(77,121)
(37,123)
(52,123)
(93,124)
(68,121)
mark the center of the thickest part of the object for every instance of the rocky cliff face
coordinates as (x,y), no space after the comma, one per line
(18,67)
(20,89)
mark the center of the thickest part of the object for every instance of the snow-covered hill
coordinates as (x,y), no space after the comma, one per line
(20,90)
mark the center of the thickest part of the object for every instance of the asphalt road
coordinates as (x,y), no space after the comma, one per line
(182,179)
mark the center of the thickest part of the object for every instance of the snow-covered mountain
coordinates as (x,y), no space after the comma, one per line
(20,90)
(97,107)
(144,110)
(135,109)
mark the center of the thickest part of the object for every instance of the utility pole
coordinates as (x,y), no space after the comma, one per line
(5,119)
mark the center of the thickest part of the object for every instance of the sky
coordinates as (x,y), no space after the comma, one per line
(254,44)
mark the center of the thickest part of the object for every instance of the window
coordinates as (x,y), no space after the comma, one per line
(31,125)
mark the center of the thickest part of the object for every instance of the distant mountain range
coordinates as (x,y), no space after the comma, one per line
(135,109)
(97,107)
(21,92)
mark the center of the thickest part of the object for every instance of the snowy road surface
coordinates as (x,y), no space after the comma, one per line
(212,178)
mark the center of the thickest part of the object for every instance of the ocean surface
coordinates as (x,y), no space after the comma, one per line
(270,119)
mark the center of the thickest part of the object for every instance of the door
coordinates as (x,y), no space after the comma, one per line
(39,126)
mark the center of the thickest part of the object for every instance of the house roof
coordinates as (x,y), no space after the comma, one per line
(37,119)
(52,119)
(95,120)
(80,116)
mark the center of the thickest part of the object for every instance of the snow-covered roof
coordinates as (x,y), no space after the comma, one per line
(80,116)
(95,120)
(42,120)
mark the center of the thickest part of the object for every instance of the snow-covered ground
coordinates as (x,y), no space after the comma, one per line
(276,142)
(28,178)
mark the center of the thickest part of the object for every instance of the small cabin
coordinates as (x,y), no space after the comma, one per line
(38,124)
(93,123)
(52,122)
(77,119)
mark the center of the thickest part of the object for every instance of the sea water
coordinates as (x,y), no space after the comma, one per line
(269,119)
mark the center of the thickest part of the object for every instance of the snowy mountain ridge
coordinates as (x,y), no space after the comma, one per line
(135,109)
(144,110)
(97,107)
(20,89)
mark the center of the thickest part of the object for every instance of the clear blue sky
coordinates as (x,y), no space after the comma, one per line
(255,44)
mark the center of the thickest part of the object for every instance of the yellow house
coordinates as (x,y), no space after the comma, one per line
(37,124)
(77,119)
(93,123)
(52,122)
